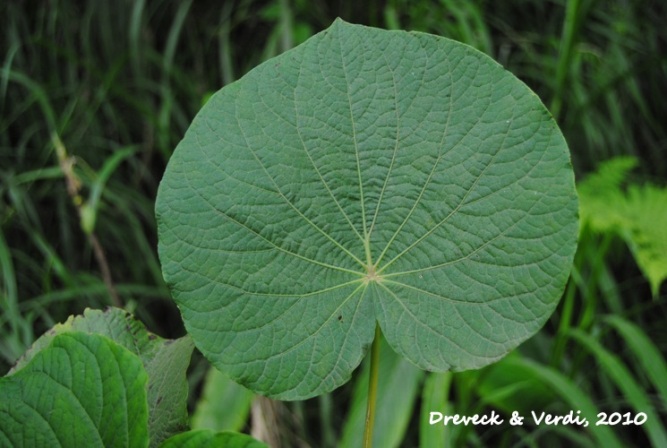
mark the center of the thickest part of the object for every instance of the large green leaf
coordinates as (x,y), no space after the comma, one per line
(366,176)
(80,390)
(165,361)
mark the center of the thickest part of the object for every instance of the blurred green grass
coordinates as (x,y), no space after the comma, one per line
(119,82)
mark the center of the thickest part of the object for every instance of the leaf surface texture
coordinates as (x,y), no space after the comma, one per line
(366,176)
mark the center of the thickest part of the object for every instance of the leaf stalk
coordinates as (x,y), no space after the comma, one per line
(372,389)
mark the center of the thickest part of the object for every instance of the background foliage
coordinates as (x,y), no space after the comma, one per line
(95,95)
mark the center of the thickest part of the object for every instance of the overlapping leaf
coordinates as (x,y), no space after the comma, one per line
(165,362)
(80,390)
(366,176)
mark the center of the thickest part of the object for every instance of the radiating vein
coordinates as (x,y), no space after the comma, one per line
(316,332)
(428,179)
(225,215)
(467,256)
(417,320)
(287,201)
(356,153)
(439,296)
(393,155)
(281,249)
(310,158)
(296,302)
(461,203)
(455,210)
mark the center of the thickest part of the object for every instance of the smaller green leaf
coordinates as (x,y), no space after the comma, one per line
(114,323)
(204,438)
(224,405)
(165,361)
(168,388)
(80,391)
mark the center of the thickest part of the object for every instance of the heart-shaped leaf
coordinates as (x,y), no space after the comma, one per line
(366,176)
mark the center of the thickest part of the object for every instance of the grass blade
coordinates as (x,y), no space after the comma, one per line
(435,397)
(575,398)
(650,358)
(626,383)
